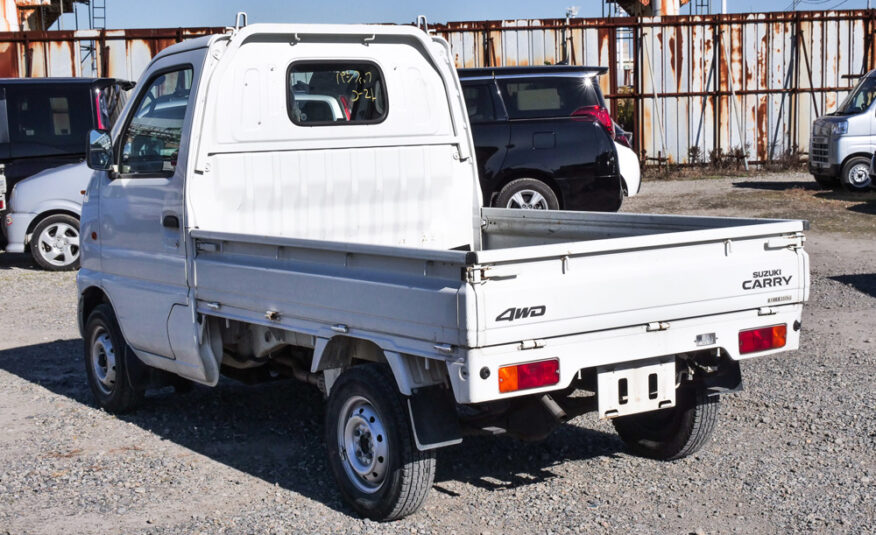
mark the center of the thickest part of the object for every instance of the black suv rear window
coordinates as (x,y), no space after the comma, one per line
(48,120)
(557,96)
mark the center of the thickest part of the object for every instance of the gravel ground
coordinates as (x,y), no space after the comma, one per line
(794,451)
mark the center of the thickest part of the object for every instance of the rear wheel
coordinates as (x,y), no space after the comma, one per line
(107,358)
(856,174)
(55,243)
(528,193)
(371,449)
(673,433)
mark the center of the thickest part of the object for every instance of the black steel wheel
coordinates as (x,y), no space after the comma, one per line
(672,433)
(371,449)
(107,363)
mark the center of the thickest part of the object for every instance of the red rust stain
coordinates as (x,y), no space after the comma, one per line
(762,53)
(680,48)
(762,133)
(9,60)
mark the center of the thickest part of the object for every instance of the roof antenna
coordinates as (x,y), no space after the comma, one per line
(240,20)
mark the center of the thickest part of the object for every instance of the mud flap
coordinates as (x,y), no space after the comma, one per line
(433,418)
(726,380)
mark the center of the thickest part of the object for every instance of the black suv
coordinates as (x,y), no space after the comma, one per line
(544,138)
(44,122)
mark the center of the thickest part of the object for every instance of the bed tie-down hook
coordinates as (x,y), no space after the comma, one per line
(368,40)
(295,39)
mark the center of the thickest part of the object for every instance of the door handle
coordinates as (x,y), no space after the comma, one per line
(170,221)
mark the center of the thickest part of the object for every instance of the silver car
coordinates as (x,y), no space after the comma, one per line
(843,142)
(44,215)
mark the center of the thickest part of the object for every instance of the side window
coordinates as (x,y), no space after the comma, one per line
(48,121)
(479,103)
(325,93)
(150,144)
(548,97)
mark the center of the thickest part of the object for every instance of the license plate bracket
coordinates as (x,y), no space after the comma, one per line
(634,387)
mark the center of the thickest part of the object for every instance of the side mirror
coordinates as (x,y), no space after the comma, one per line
(100,150)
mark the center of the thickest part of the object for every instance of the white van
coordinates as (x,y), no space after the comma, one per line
(842,142)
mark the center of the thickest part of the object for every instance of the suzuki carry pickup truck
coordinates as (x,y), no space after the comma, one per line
(236,227)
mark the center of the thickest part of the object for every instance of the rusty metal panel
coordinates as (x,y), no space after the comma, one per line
(785,69)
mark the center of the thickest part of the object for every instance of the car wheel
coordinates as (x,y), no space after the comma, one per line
(371,448)
(856,174)
(826,181)
(528,193)
(107,363)
(55,243)
(672,433)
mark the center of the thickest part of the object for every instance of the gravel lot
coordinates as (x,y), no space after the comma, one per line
(794,451)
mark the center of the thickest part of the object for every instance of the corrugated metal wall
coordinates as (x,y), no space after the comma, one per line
(729,81)
(118,53)
(754,81)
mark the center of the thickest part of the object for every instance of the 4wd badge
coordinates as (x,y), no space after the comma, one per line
(522,313)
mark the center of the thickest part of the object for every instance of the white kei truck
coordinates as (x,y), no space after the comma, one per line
(302,201)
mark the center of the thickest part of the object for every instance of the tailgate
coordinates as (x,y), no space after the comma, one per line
(644,280)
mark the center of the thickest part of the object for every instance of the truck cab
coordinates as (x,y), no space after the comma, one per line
(843,141)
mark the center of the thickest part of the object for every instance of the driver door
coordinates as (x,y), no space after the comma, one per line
(141,233)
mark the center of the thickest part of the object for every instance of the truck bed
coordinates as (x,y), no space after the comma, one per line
(540,275)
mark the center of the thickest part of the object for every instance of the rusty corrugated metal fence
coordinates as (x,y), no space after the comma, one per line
(752,81)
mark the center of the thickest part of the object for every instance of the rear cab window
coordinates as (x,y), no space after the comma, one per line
(549,96)
(335,93)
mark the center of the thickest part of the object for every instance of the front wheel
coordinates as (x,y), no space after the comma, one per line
(371,448)
(55,243)
(673,433)
(856,174)
(106,363)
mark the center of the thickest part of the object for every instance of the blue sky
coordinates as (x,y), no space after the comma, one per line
(188,13)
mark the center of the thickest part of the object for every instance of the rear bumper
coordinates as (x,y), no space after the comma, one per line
(580,351)
(15,225)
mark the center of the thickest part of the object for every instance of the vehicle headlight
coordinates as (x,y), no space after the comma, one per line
(839,128)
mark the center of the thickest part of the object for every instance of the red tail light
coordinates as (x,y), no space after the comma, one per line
(531,375)
(598,114)
(100,125)
(762,339)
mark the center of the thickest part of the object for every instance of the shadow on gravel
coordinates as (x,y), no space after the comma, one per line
(274,431)
(776,186)
(864,283)
(20,261)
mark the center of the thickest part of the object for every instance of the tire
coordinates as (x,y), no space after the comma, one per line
(826,181)
(528,193)
(856,174)
(670,434)
(106,363)
(368,432)
(55,243)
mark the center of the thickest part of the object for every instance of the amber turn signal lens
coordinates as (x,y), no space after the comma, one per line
(763,339)
(529,375)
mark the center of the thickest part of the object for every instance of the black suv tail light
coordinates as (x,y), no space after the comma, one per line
(595,113)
